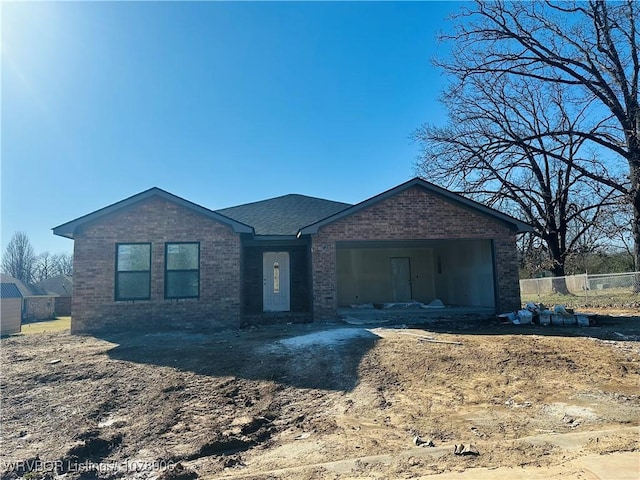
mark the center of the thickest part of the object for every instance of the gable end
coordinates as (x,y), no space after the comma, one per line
(511,222)
(68,229)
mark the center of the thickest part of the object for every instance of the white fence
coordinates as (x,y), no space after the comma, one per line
(612,288)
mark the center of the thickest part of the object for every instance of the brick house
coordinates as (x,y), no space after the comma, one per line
(156,260)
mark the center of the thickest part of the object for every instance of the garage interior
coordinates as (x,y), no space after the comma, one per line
(458,272)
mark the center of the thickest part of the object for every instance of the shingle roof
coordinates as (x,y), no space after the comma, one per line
(284,215)
(9,290)
(289,215)
(25,290)
(61,285)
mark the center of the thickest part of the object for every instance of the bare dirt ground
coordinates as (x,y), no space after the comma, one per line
(319,401)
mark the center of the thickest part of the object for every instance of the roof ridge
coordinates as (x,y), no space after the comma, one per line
(280,197)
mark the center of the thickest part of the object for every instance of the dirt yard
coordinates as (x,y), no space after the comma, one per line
(319,401)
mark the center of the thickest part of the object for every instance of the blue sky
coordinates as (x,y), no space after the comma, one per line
(219,103)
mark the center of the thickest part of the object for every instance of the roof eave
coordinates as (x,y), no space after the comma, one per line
(62,233)
(68,229)
(268,237)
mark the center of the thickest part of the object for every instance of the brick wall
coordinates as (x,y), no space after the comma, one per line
(40,307)
(412,214)
(157,221)
(62,306)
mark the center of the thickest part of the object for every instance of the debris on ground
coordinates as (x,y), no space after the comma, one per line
(419,442)
(436,303)
(255,402)
(465,450)
(539,314)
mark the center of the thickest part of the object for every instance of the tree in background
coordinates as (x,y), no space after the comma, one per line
(589,50)
(45,267)
(19,260)
(64,263)
(496,150)
(48,265)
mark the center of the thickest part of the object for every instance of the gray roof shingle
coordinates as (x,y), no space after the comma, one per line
(61,285)
(284,215)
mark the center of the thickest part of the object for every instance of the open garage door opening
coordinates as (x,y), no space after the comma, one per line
(458,272)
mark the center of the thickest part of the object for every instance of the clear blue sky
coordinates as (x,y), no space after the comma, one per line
(219,103)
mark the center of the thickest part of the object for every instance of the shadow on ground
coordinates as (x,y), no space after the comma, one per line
(319,355)
(278,353)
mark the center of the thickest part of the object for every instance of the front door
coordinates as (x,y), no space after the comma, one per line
(275,281)
(401,279)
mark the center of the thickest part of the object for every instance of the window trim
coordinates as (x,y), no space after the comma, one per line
(166,271)
(118,272)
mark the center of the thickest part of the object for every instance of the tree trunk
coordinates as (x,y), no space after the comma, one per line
(559,282)
(558,257)
(636,237)
(636,233)
(633,143)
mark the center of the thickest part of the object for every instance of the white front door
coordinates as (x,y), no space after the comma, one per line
(275,281)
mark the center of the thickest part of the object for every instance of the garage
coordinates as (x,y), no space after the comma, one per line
(459,272)
(415,242)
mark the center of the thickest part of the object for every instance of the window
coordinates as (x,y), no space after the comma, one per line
(182,270)
(276,277)
(133,271)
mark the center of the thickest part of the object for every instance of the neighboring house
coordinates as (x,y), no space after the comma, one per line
(155,259)
(60,285)
(36,303)
(10,308)
(61,288)
(25,289)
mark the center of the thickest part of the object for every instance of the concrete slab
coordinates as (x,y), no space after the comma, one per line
(412,315)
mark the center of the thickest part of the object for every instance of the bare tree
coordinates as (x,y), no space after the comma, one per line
(590,49)
(617,229)
(18,259)
(45,267)
(533,256)
(494,149)
(64,263)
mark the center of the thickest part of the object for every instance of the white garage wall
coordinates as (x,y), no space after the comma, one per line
(464,273)
(364,274)
(458,272)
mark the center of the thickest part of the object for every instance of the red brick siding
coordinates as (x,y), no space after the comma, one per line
(413,214)
(156,221)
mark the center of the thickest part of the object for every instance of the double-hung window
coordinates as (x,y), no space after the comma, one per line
(133,271)
(182,270)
